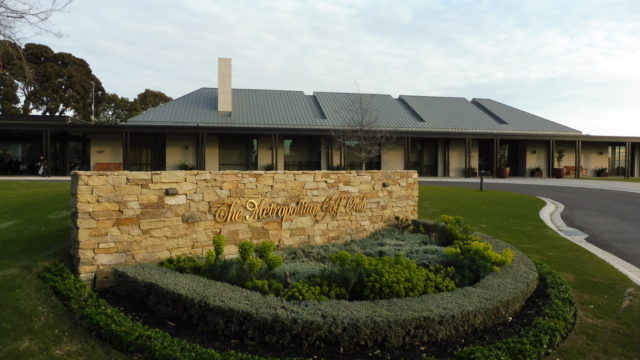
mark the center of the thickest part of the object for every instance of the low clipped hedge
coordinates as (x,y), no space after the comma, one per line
(225,310)
(118,329)
(545,333)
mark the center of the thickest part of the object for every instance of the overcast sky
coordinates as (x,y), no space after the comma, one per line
(574,62)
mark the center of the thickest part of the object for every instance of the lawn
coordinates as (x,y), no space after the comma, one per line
(34,225)
(34,221)
(608,325)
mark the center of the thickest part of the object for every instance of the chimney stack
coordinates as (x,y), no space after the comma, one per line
(224,86)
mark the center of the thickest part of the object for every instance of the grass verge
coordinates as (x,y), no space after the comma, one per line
(608,324)
(34,225)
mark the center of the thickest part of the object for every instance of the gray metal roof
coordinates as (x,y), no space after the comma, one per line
(521,120)
(451,113)
(390,113)
(263,108)
(327,110)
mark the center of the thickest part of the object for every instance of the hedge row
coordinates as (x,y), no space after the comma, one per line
(545,333)
(222,309)
(118,329)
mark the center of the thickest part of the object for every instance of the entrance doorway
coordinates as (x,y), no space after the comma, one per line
(423,157)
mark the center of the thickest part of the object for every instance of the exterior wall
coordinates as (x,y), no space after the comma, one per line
(265,155)
(280,153)
(569,153)
(212,155)
(106,148)
(538,155)
(138,217)
(456,158)
(181,149)
(475,156)
(393,157)
(591,158)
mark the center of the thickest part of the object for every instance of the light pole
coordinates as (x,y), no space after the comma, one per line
(93,102)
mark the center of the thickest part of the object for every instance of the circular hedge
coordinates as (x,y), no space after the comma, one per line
(226,310)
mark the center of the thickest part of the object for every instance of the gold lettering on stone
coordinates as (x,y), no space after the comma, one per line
(255,210)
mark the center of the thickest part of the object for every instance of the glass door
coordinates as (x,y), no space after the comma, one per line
(617,160)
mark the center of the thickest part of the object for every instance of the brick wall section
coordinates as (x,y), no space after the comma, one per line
(137,217)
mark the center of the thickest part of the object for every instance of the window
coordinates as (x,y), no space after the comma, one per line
(302,153)
(238,152)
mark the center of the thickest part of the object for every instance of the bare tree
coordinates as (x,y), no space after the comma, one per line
(362,134)
(17,16)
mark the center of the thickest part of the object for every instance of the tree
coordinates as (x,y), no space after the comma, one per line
(151,98)
(362,135)
(115,109)
(16,16)
(47,82)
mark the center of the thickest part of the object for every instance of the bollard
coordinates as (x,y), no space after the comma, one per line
(482,174)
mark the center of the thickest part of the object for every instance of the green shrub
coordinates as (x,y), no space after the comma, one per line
(316,289)
(246,251)
(369,278)
(118,329)
(221,309)
(265,287)
(218,245)
(452,229)
(474,259)
(184,264)
(265,249)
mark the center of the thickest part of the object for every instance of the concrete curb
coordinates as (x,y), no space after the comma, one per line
(550,214)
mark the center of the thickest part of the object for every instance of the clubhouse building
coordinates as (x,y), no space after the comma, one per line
(242,129)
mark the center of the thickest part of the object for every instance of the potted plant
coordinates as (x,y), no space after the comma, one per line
(473,172)
(559,172)
(503,155)
(536,171)
(602,172)
(185,166)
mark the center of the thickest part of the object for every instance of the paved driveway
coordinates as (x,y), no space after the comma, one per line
(610,218)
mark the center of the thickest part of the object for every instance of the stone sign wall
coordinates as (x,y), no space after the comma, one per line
(136,217)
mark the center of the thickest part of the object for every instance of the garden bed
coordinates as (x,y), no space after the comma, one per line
(222,310)
(547,320)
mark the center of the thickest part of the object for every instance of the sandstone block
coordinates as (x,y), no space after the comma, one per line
(192,217)
(155,256)
(105,206)
(97,180)
(110,259)
(117,180)
(170,177)
(175,200)
(151,224)
(86,223)
(110,250)
(138,175)
(87,199)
